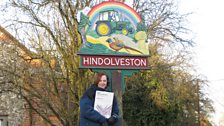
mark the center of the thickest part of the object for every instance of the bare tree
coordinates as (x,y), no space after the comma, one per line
(164,21)
(50,82)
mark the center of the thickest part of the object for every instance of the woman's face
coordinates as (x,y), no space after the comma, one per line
(103,82)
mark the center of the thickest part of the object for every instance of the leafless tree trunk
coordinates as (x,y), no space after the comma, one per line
(50,81)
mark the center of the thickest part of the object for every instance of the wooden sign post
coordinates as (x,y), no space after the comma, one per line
(114,42)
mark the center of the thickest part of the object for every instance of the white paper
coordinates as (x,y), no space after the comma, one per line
(103,103)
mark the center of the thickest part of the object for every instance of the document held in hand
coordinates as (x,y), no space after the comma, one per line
(104,102)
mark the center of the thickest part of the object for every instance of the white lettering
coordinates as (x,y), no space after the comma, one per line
(117,61)
(114,61)
(143,62)
(122,62)
(94,61)
(107,61)
(85,60)
(137,62)
(127,62)
(132,61)
(100,61)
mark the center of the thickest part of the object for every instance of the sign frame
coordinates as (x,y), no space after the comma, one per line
(118,65)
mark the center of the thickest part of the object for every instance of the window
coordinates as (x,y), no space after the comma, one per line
(1,122)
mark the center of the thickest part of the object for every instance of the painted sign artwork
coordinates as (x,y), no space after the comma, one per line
(112,28)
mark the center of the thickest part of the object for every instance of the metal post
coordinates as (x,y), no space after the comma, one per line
(117,89)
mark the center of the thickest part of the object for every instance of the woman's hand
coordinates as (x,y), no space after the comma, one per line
(112,119)
(105,123)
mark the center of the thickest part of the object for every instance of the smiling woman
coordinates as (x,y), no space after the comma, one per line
(88,115)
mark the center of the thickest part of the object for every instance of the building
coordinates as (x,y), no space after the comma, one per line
(11,103)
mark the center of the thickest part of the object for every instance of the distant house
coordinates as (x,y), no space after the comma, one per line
(25,116)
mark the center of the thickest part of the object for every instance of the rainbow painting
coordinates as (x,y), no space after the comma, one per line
(126,10)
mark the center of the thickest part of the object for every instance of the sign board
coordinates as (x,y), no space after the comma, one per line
(113,37)
(114,62)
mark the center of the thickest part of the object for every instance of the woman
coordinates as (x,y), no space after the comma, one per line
(89,116)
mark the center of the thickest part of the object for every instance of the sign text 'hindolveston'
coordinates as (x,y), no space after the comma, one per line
(104,61)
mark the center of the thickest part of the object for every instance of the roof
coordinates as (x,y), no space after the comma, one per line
(26,54)
(6,37)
